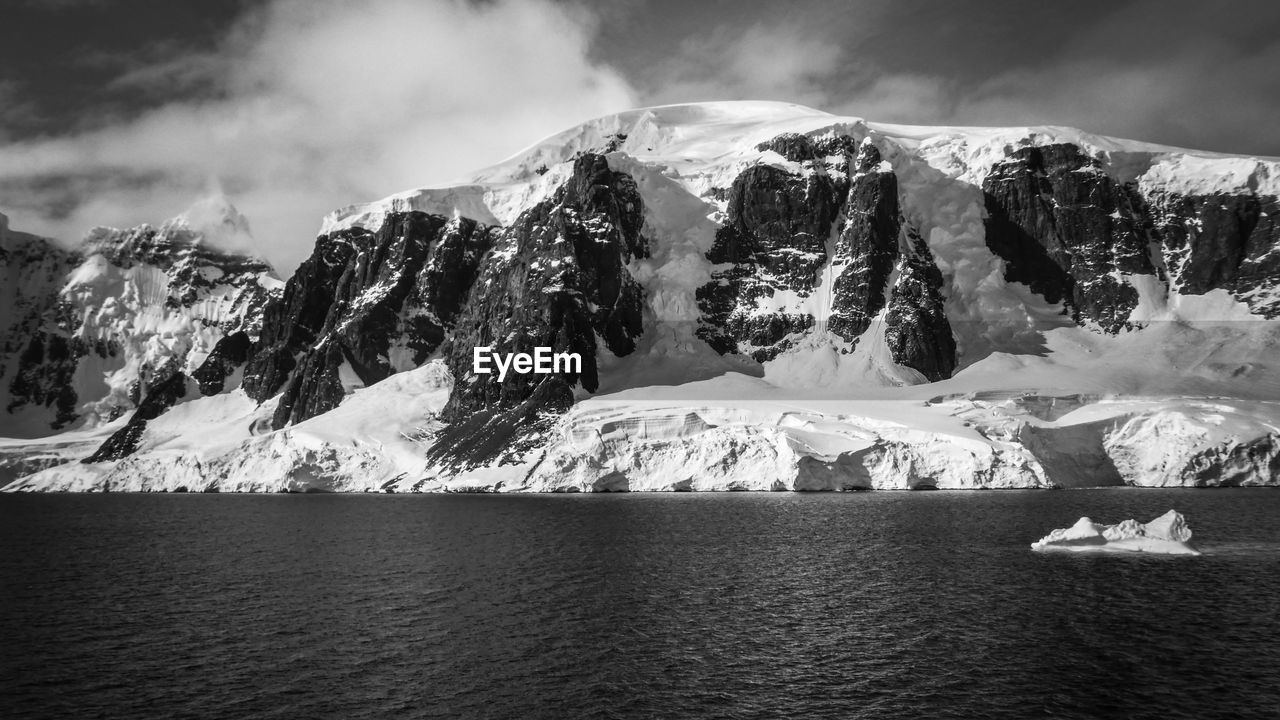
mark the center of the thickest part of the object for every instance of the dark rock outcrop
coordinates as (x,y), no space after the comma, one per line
(1066,229)
(917,331)
(38,360)
(1069,231)
(46,371)
(124,442)
(375,302)
(503,434)
(803,148)
(774,239)
(556,278)
(792,146)
(867,247)
(32,269)
(368,304)
(229,355)
(1221,242)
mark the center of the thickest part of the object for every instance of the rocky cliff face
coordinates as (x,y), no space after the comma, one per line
(774,241)
(1220,241)
(867,246)
(557,278)
(831,237)
(1072,233)
(1069,231)
(916,327)
(366,304)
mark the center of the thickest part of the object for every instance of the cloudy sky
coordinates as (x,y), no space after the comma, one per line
(115,112)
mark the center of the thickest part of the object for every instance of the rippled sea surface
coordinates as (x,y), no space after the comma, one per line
(875,605)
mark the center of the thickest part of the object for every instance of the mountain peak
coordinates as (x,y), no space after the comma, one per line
(211,227)
(217,222)
(703,146)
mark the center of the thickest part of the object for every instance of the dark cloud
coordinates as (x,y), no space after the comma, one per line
(119,111)
(1193,74)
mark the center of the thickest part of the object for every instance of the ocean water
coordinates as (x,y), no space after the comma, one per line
(871,605)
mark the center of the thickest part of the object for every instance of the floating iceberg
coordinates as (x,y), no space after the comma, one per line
(1167,534)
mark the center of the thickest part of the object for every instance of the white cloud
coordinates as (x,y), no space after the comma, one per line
(323,104)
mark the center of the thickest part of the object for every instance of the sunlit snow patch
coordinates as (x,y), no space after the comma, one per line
(1167,534)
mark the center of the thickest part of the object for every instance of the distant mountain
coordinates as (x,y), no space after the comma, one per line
(763,296)
(89,331)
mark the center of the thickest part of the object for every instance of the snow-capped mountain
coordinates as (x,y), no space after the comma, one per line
(96,328)
(764,296)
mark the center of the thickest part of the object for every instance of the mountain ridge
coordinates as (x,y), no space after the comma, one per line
(905,298)
(128,306)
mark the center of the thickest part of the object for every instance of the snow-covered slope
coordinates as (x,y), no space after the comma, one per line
(765,296)
(223,443)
